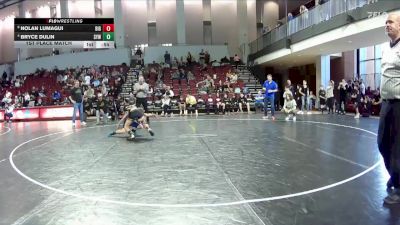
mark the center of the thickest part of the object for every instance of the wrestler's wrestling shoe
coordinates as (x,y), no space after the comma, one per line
(151,132)
(131,134)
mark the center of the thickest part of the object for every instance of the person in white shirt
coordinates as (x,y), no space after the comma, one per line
(389,121)
(362,88)
(9,113)
(166,105)
(141,90)
(330,97)
(87,80)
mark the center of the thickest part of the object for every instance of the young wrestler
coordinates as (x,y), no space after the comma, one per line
(135,118)
(289,107)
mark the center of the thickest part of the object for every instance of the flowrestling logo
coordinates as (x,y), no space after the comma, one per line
(376,14)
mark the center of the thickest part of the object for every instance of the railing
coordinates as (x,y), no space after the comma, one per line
(312,17)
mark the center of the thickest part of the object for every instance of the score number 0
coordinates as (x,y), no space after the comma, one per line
(108,27)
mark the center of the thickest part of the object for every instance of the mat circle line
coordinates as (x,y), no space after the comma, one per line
(8,131)
(194,205)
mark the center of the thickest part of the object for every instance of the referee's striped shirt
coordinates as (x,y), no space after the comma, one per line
(390,80)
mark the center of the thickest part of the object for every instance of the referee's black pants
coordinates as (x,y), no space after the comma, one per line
(140,102)
(389,138)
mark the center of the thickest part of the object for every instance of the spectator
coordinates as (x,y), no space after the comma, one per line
(291,88)
(42,92)
(77,99)
(226,86)
(104,90)
(182,75)
(190,76)
(208,85)
(101,109)
(27,99)
(191,105)
(207,58)
(270,87)
(112,92)
(304,92)
(210,104)
(311,100)
(4,75)
(189,59)
(356,97)
(39,102)
(322,99)
(259,102)
(175,63)
(167,58)
(286,92)
(219,103)
(87,80)
(202,57)
(233,78)
(139,52)
(34,93)
(66,101)
(59,78)
(229,103)
(224,60)
(56,97)
(290,16)
(362,87)
(169,92)
(88,109)
(368,92)
(243,101)
(330,96)
(166,105)
(176,75)
(236,60)
(9,109)
(376,98)
(342,96)
(303,17)
(89,92)
(17,83)
(182,105)
(365,108)
(289,107)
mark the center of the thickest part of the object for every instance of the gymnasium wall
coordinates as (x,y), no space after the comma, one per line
(157,53)
(100,57)
(135,13)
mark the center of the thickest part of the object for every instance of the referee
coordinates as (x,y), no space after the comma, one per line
(389,123)
(141,89)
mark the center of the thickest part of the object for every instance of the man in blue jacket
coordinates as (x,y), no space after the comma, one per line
(270,87)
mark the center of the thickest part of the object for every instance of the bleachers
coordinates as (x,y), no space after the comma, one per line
(48,80)
(184,88)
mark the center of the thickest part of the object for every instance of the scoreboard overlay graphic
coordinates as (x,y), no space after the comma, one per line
(64,32)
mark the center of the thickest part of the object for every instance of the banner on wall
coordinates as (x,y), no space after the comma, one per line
(26,114)
(41,113)
(53,113)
